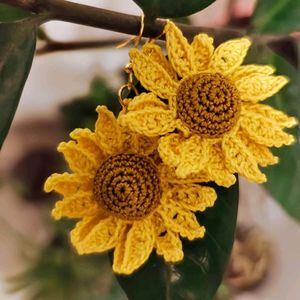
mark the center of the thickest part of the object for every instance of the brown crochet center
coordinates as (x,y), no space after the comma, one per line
(127,186)
(208,104)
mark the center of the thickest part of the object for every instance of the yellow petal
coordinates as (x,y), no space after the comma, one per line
(152,76)
(183,128)
(155,53)
(193,156)
(179,50)
(169,149)
(240,160)
(192,196)
(134,247)
(108,132)
(67,184)
(203,49)
(151,122)
(247,70)
(181,220)
(169,246)
(229,56)
(145,100)
(261,153)
(168,176)
(167,242)
(77,158)
(217,169)
(188,155)
(87,140)
(75,206)
(258,87)
(263,131)
(270,113)
(142,144)
(96,235)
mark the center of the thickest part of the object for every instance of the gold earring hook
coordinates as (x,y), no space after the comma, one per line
(129,86)
(135,39)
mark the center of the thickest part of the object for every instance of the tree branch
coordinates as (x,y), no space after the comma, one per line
(105,19)
(66,11)
(54,46)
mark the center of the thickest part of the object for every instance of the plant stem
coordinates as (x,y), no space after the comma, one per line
(101,18)
(54,46)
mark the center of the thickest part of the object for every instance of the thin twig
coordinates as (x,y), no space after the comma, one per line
(54,46)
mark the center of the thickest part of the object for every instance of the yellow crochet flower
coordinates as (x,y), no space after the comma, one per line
(124,197)
(220,128)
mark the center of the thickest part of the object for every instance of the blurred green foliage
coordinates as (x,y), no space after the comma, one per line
(9,13)
(279,17)
(170,8)
(284,178)
(81,112)
(276,16)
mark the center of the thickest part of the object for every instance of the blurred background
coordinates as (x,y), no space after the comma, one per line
(63,89)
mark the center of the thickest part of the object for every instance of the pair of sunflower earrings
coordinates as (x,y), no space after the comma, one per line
(136,181)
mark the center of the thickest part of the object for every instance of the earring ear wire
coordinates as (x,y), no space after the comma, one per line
(135,39)
(128,86)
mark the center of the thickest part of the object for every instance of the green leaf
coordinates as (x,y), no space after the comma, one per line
(9,13)
(199,275)
(17,45)
(284,178)
(172,9)
(276,16)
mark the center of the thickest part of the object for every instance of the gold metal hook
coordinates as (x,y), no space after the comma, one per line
(129,86)
(135,39)
(120,96)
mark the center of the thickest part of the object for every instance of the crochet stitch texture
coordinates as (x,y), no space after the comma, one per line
(204,105)
(125,198)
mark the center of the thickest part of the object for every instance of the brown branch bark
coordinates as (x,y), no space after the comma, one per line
(54,46)
(105,19)
(101,18)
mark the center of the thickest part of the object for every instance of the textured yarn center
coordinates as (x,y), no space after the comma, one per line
(127,186)
(208,104)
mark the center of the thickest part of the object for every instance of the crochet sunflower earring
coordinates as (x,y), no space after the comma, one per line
(205,107)
(124,197)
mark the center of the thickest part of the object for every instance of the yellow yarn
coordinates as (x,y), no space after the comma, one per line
(155,53)
(123,198)
(213,124)
(202,47)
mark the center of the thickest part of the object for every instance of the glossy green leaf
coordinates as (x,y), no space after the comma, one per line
(17,45)
(10,13)
(284,178)
(172,9)
(200,273)
(276,16)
